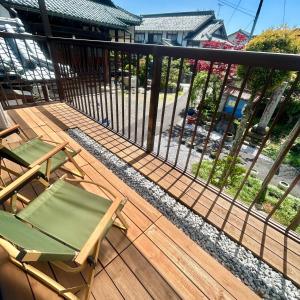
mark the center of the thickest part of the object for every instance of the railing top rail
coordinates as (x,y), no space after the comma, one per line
(280,61)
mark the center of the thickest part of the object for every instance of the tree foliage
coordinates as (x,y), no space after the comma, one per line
(212,93)
(282,40)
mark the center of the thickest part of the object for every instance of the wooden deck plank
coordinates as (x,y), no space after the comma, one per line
(125,280)
(157,287)
(104,288)
(169,271)
(210,265)
(203,280)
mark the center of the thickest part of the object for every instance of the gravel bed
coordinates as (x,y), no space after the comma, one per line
(241,262)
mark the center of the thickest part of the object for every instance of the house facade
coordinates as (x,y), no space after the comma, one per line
(89,19)
(180,29)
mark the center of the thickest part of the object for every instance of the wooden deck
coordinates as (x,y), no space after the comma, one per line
(154,259)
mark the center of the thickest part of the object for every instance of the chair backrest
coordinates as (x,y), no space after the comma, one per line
(10,155)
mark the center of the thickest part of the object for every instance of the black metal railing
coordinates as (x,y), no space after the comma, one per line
(196,109)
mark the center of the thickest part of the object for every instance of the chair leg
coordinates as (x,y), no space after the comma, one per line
(123,225)
(51,283)
(92,272)
(73,172)
(72,160)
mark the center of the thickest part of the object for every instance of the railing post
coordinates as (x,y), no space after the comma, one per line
(155,87)
(53,57)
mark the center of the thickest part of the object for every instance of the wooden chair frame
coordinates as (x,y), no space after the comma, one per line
(90,249)
(64,146)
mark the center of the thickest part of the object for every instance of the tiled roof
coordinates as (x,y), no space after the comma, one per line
(241,31)
(89,11)
(22,58)
(189,21)
(207,30)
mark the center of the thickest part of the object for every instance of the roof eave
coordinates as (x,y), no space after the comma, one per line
(54,14)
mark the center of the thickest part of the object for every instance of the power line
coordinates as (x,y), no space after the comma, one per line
(284,5)
(240,9)
(234,11)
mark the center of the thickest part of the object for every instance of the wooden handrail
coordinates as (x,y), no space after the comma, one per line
(99,232)
(6,132)
(19,182)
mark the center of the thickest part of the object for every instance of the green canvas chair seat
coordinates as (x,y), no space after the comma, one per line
(28,239)
(66,212)
(29,152)
(56,224)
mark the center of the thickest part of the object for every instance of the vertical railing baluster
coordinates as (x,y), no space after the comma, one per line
(174,107)
(136,96)
(199,113)
(110,91)
(104,84)
(164,104)
(145,98)
(123,96)
(116,85)
(129,97)
(155,87)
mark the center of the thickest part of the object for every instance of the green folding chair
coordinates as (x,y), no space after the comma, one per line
(50,155)
(64,224)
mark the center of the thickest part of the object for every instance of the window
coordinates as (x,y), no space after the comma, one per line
(172,37)
(157,37)
(139,37)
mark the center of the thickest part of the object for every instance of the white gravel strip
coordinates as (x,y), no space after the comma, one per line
(265,281)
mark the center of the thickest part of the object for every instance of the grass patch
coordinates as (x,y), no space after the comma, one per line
(292,158)
(284,214)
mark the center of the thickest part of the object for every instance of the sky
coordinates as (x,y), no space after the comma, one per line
(272,12)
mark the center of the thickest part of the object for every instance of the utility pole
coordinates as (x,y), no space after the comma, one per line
(256,17)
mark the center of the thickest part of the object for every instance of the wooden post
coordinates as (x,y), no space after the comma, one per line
(155,87)
(116,35)
(45,92)
(106,66)
(53,57)
(262,126)
(45,19)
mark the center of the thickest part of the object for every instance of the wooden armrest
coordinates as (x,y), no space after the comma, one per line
(6,132)
(49,154)
(70,148)
(9,248)
(99,232)
(90,182)
(16,185)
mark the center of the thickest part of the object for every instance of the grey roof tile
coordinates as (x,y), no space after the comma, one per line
(207,30)
(88,11)
(174,22)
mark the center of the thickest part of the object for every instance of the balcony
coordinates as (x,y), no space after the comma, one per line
(100,94)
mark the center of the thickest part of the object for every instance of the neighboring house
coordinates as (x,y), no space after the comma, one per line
(239,38)
(180,29)
(92,19)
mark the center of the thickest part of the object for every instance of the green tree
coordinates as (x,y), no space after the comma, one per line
(211,96)
(282,40)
